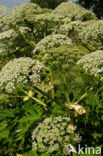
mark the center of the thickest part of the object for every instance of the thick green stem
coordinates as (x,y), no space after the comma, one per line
(52,87)
(35,99)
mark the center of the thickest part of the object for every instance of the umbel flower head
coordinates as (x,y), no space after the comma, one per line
(20,12)
(18,72)
(69,28)
(53,134)
(93,34)
(92,62)
(11,34)
(50,41)
(11,41)
(7,34)
(73,11)
(25,7)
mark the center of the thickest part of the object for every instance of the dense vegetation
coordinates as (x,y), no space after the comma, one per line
(51,80)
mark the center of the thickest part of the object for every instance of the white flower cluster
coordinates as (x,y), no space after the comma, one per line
(19,71)
(24,29)
(10,37)
(72,26)
(23,8)
(93,34)
(52,135)
(50,41)
(73,11)
(35,15)
(18,14)
(92,62)
(5,37)
(7,34)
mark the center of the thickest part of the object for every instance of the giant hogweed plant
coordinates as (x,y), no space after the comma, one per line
(74,109)
(30,111)
(46,105)
(28,106)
